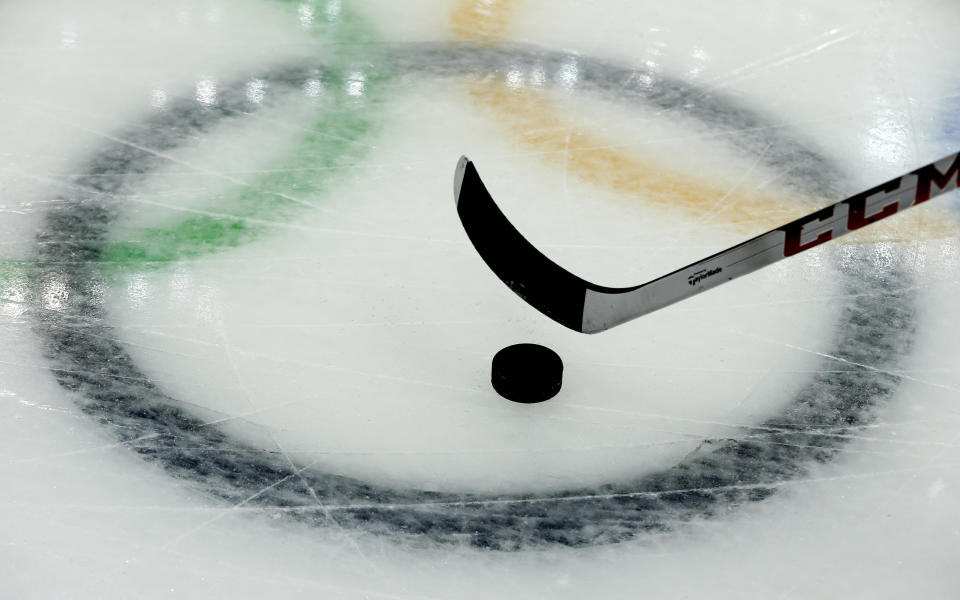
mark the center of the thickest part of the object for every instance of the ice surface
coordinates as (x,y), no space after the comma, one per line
(248,343)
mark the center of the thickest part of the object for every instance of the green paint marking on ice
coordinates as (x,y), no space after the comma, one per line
(355,94)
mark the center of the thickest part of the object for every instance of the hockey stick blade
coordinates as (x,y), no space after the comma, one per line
(590,308)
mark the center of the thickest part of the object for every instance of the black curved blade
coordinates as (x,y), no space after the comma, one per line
(542,283)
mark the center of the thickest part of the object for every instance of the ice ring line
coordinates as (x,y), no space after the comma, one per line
(878,317)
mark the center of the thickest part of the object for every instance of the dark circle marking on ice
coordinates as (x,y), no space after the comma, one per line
(527,373)
(875,315)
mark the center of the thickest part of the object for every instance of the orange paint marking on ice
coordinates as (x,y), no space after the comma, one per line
(482,20)
(540,125)
(530,117)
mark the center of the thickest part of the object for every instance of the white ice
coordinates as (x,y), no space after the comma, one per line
(356,338)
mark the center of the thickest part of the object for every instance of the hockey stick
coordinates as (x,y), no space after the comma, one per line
(589,308)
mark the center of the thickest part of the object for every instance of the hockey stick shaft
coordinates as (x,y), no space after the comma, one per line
(605,310)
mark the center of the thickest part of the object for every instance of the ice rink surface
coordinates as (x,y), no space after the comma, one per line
(247,343)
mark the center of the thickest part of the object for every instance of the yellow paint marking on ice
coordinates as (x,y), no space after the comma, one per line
(538,124)
(482,20)
(530,118)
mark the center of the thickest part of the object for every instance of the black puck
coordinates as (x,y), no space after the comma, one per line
(527,373)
